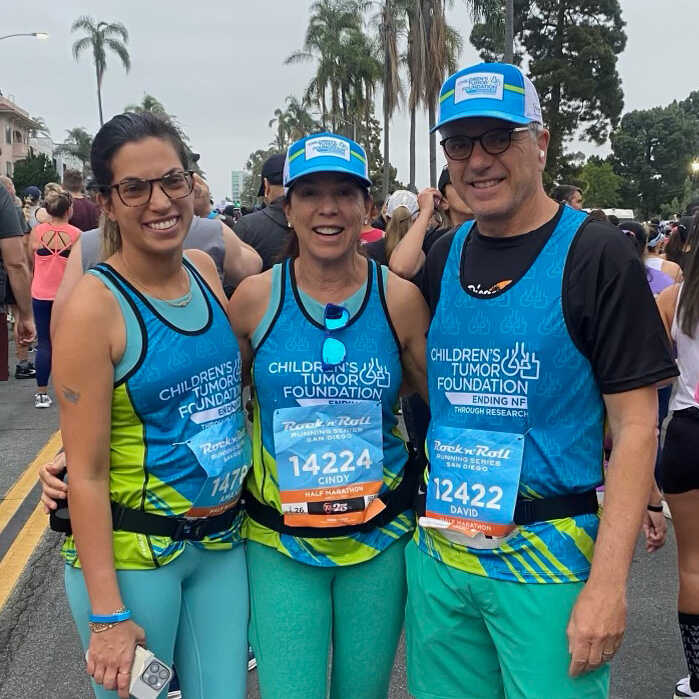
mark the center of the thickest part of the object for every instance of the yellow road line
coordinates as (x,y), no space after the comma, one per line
(14,561)
(16,494)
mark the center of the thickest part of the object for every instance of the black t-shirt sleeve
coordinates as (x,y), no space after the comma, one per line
(433,269)
(377,251)
(9,222)
(611,313)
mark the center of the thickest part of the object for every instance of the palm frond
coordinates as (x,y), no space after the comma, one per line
(121,51)
(81,45)
(84,22)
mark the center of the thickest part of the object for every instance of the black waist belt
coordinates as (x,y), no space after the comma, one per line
(177,528)
(395,501)
(543,509)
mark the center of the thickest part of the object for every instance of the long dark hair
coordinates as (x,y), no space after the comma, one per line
(688,306)
(117,132)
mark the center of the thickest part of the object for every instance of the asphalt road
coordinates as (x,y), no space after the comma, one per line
(40,656)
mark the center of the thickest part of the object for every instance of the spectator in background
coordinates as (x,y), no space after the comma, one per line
(24,369)
(14,262)
(266,230)
(598,215)
(85,214)
(31,195)
(202,198)
(51,244)
(377,213)
(369,232)
(567,194)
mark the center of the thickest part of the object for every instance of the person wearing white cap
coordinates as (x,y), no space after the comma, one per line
(406,214)
(516,588)
(331,338)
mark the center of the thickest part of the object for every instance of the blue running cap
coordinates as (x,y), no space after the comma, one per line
(326,152)
(497,90)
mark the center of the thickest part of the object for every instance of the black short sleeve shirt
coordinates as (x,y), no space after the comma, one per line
(608,307)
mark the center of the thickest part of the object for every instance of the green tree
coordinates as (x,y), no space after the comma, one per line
(572,48)
(35,169)
(291,123)
(652,151)
(101,36)
(248,196)
(148,104)
(79,144)
(601,185)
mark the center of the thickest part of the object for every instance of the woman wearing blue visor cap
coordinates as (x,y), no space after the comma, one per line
(331,339)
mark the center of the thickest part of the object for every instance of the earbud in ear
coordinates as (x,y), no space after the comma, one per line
(542,154)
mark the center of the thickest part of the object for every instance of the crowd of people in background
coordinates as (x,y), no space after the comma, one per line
(337,307)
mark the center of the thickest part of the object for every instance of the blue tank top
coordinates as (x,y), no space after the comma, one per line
(287,373)
(178,441)
(507,364)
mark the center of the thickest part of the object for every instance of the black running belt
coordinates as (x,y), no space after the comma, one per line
(177,528)
(395,501)
(528,511)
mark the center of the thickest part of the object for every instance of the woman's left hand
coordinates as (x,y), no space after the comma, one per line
(655,529)
(428,199)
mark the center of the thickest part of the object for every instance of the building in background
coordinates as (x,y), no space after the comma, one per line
(16,126)
(238,178)
(62,159)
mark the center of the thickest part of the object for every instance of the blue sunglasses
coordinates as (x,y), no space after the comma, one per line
(333,351)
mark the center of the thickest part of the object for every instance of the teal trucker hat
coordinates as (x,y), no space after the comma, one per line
(497,90)
(326,152)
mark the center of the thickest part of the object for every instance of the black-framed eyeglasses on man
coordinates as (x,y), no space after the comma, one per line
(137,192)
(493,141)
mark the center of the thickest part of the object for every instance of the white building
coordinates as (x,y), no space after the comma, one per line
(238,178)
(62,160)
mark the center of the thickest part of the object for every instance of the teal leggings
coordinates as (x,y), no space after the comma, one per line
(297,611)
(194,612)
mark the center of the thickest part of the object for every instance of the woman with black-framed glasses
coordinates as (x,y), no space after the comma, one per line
(147,372)
(331,337)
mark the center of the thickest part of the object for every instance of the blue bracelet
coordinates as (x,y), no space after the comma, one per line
(114,618)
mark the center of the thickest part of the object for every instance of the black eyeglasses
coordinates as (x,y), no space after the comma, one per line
(494,142)
(137,192)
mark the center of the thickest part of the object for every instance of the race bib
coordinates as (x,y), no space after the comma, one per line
(473,480)
(223,451)
(329,463)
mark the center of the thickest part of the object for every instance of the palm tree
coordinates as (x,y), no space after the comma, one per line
(330,24)
(148,104)
(509,31)
(443,46)
(415,60)
(391,26)
(79,144)
(100,37)
(41,129)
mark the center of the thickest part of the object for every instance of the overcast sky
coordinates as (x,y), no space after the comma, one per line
(218,65)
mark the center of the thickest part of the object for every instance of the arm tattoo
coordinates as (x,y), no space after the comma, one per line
(70,395)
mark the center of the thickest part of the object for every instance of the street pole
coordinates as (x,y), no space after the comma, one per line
(36,35)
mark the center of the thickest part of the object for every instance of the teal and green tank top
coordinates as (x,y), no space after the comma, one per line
(178,444)
(289,381)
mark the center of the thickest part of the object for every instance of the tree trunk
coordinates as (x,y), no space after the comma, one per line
(509,31)
(555,149)
(433,147)
(386,118)
(412,149)
(99,97)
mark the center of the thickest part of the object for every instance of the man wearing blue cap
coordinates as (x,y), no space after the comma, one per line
(516,588)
